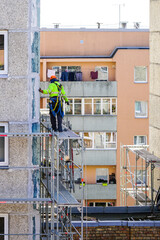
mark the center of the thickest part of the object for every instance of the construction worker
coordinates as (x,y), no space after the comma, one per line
(56,93)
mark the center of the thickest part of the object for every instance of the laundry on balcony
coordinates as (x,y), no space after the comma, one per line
(94,75)
(71,76)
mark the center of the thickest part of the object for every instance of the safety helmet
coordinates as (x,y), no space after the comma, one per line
(52,77)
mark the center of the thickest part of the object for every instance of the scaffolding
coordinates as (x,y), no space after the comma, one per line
(56,181)
(137,175)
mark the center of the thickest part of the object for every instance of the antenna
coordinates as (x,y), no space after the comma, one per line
(99,24)
(56,25)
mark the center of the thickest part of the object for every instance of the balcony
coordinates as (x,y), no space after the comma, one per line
(96,191)
(97,157)
(87,89)
(93,122)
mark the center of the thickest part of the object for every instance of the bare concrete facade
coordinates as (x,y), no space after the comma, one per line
(19,111)
(154,119)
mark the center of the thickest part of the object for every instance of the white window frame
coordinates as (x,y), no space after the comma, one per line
(104,143)
(5,33)
(107,175)
(138,136)
(5,163)
(83,107)
(106,71)
(146,75)
(5,216)
(146,116)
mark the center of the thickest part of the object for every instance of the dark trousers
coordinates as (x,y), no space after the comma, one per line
(54,121)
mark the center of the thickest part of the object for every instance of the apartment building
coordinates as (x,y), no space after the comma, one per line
(19,113)
(105,74)
(154,92)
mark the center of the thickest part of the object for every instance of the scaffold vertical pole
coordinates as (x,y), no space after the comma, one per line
(82,164)
(146,183)
(152,183)
(52,188)
(57,184)
(136,180)
(126,176)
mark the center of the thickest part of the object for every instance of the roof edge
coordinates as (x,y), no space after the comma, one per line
(97,56)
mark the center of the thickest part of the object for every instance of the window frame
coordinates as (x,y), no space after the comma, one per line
(5,33)
(92,105)
(138,138)
(5,163)
(146,75)
(98,176)
(146,116)
(5,216)
(104,142)
(106,73)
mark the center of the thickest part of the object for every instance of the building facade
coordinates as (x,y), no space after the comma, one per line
(19,113)
(105,74)
(154,125)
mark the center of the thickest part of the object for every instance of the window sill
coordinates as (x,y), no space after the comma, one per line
(4,167)
(3,75)
(141,82)
(141,117)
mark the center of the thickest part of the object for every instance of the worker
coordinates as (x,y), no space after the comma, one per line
(56,93)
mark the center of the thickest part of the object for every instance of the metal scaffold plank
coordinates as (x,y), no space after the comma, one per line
(64,197)
(24,200)
(147,156)
(25,134)
(67,135)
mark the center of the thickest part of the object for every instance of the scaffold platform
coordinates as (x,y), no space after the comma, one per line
(62,197)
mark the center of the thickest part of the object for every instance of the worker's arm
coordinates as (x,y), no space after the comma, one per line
(46,91)
(64,95)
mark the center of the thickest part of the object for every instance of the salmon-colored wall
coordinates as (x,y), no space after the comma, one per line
(127,93)
(90,173)
(86,68)
(61,43)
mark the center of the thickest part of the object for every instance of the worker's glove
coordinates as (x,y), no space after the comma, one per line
(67,103)
(40,90)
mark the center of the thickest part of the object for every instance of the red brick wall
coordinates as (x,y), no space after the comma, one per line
(120,233)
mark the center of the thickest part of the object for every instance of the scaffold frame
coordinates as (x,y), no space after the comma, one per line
(51,209)
(137,174)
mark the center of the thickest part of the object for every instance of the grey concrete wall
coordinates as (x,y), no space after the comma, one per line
(19,216)
(19,100)
(96,191)
(96,157)
(87,89)
(154,109)
(93,123)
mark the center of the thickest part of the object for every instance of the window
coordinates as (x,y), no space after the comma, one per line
(97,106)
(111,140)
(140,140)
(3,226)
(87,106)
(102,175)
(141,109)
(141,178)
(3,145)
(99,140)
(102,73)
(3,52)
(77,106)
(91,106)
(140,74)
(58,70)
